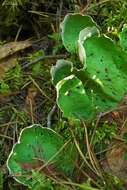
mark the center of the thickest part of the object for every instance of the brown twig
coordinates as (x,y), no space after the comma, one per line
(27,64)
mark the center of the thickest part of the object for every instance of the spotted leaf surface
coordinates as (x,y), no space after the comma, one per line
(99,85)
(106,66)
(38,149)
(82,101)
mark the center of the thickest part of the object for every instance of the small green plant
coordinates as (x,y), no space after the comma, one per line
(12,80)
(99,85)
(37,68)
(14,77)
(4,88)
(105,133)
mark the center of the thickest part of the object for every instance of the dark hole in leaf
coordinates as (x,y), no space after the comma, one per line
(106,70)
(91,54)
(113,93)
(108,79)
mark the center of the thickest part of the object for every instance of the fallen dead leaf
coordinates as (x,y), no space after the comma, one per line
(8,57)
(12,47)
(115,162)
(6,64)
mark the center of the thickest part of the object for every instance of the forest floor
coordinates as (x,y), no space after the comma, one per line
(29,47)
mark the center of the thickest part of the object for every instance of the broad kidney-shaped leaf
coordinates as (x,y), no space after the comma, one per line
(61,70)
(71,27)
(78,101)
(38,149)
(72,98)
(106,65)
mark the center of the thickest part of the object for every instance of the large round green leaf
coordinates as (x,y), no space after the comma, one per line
(72,98)
(71,27)
(38,148)
(106,65)
(78,101)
